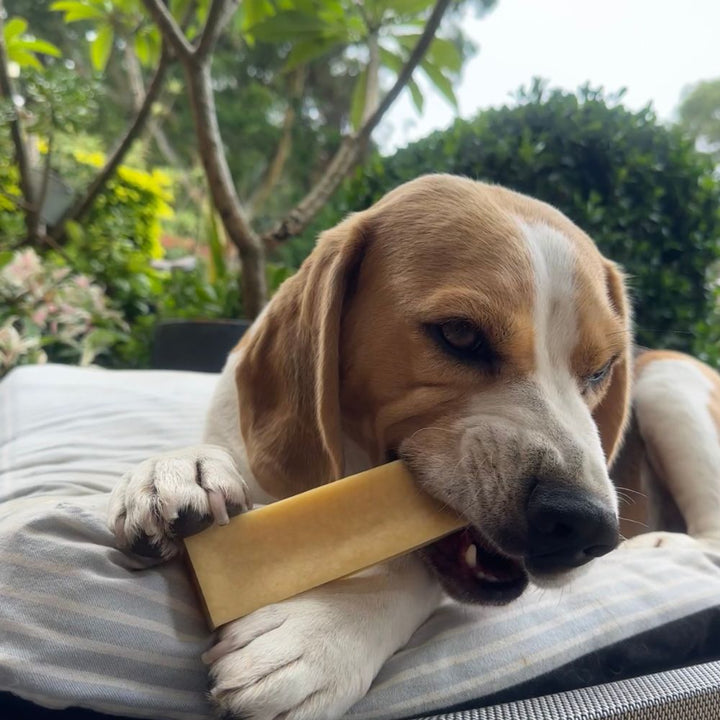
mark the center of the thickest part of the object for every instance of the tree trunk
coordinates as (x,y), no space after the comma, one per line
(222,188)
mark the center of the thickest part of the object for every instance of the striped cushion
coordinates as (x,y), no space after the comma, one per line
(83,625)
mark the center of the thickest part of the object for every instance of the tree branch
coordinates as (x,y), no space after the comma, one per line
(135,78)
(218,15)
(222,188)
(351,148)
(171,31)
(16,132)
(417,54)
(82,205)
(196,64)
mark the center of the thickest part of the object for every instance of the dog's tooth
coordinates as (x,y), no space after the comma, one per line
(481,575)
(471,556)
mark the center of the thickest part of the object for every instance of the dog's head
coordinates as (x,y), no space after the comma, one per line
(478,335)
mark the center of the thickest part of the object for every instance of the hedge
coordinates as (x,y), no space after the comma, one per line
(640,189)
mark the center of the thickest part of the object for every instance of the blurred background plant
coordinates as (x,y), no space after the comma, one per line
(47,312)
(100,166)
(699,116)
(640,189)
(102,177)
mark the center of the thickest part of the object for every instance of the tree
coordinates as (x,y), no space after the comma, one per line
(699,114)
(364,41)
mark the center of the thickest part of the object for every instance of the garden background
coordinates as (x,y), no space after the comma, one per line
(177,160)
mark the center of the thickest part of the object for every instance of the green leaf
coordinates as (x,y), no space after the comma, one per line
(14,28)
(125,6)
(154,46)
(101,47)
(417,96)
(291,26)
(5,257)
(305,51)
(444,53)
(255,12)
(83,14)
(75,231)
(75,11)
(395,63)
(23,58)
(40,46)
(142,48)
(178,8)
(357,105)
(441,82)
(390,60)
(406,7)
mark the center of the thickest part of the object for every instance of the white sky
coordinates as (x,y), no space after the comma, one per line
(654,48)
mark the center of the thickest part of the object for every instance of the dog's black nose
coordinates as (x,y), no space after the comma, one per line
(567,528)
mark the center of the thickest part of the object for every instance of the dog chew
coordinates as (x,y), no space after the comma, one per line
(277,551)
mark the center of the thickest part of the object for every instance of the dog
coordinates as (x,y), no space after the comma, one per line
(481,337)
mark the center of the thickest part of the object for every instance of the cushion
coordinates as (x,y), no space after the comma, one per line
(84,625)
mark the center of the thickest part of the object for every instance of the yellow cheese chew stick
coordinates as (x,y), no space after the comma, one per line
(283,549)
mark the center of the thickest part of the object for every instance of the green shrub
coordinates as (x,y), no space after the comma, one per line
(114,245)
(50,313)
(638,188)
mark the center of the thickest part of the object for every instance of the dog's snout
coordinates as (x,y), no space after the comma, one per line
(567,528)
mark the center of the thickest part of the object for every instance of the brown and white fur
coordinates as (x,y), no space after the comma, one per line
(480,336)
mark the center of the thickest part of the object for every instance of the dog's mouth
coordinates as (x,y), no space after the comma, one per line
(472,570)
(470,567)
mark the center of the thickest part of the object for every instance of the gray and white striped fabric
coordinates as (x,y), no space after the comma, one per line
(83,625)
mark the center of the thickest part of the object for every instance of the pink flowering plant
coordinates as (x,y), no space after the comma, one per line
(48,312)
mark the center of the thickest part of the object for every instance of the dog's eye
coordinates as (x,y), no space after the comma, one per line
(461,335)
(592,381)
(463,340)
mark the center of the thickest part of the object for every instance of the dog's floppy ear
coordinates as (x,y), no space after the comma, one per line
(613,412)
(288,375)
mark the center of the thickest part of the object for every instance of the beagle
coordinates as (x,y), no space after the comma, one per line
(480,336)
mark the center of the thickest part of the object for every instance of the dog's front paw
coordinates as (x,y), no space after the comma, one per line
(297,660)
(174,495)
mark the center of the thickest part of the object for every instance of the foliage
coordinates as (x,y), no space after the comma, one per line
(639,189)
(23,48)
(253,75)
(48,312)
(11,221)
(84,67)
(700,115)
(115,245)
(315,29)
